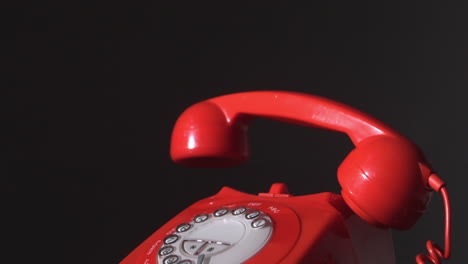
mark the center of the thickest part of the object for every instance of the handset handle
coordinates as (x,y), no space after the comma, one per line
(302,109)
(213,133)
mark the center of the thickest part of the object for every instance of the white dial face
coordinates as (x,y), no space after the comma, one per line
(226,236)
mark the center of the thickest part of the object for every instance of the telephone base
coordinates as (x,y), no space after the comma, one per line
(232,227)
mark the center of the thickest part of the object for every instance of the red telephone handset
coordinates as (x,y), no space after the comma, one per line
(385,180)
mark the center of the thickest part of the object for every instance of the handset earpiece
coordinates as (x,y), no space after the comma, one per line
(382,179)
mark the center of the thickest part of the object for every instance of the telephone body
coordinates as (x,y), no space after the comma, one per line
(273,227)
(386,183)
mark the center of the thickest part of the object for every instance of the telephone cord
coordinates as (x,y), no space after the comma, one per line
(435,252)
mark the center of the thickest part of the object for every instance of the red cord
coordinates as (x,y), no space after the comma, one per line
(435,252)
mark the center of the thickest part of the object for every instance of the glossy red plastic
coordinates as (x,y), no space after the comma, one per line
(311,229)
(384,179)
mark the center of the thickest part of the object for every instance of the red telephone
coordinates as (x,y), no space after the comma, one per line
(386,183)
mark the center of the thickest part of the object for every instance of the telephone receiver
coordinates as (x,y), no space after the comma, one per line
(386,183)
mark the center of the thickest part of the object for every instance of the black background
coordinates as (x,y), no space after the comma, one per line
(92,92)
